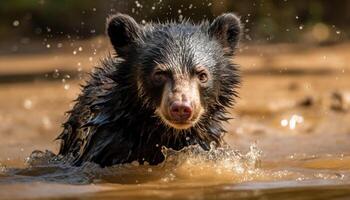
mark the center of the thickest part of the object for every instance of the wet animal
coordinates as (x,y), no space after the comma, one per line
(167,84)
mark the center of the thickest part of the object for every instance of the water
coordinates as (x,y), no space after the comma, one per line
(220,162)
(192,173)
(264,158)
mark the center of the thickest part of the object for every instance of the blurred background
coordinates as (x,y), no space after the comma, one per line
(24,22)
(294,60)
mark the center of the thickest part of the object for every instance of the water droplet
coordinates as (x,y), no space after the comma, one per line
(138,4)
(338,32)
(48,46)
(80,49)
(74,52)
(66,86)
(15,23)
(292,122)
(56,74)
(301,27)
(27,104)
(284,122)
(46,122)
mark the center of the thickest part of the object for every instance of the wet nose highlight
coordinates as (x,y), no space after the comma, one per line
(180,110)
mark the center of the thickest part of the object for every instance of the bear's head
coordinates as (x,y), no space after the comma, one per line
(183,71)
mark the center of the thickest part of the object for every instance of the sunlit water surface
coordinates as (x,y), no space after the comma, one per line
(221,173)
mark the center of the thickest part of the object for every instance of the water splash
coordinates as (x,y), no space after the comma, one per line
(225,157)
(191,163)
(41,158)
(219,163)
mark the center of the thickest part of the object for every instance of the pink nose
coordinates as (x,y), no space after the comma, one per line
(180,110)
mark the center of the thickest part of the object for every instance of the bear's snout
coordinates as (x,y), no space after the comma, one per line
(180,110)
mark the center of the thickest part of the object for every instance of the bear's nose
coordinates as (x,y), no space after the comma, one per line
(180,111)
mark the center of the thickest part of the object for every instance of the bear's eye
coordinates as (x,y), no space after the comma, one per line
(159,77)
(202,76)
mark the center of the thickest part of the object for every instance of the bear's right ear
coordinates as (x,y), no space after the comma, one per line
(122,31)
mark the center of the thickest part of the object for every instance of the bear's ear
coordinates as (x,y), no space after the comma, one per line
(122,31)
(227,29)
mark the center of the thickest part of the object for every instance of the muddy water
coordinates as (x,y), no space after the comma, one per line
(289,139)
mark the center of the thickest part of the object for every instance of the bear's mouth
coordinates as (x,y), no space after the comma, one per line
(179,124)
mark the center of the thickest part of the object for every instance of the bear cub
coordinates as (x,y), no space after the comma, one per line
(169,84)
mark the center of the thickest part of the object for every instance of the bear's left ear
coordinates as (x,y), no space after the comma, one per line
(227,29)
(122,30)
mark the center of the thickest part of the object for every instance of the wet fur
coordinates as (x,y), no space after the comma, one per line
(114,120)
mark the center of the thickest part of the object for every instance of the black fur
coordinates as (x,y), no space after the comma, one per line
(114,120)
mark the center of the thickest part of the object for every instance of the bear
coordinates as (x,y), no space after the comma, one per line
(166,85)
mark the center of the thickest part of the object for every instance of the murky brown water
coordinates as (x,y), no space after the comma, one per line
(189,174)
(290,139)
